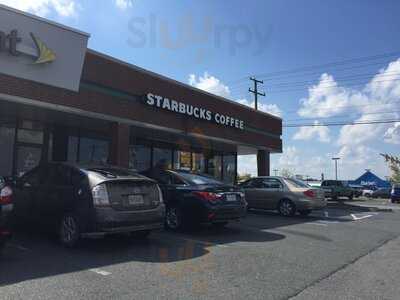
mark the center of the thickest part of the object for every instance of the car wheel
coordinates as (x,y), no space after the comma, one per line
(334,198)
(69,230)
(173,218)
(220,225)
(305,213)
(143,234)
(287,208)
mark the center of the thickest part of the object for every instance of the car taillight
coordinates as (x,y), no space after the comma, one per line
(6,195)
(208,196)
(100,195)
(310,193)
(160,197)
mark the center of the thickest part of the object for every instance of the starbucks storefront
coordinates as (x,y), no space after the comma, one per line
(69,103)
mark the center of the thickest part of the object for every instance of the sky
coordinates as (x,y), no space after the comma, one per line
(321,62)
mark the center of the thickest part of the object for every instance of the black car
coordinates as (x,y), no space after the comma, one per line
(6,206)
(83,201)
(357,190)
(381,193)
(193,199)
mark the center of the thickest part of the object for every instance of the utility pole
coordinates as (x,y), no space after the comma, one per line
(336,161)
(255,91)
(276,172)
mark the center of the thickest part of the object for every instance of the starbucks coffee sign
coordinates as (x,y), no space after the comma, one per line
(193,111)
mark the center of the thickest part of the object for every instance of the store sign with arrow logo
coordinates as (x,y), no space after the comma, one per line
(14,45)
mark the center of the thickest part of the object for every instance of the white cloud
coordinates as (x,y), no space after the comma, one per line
(65,8)
(392,135)
(327,99)
(210,84)
(381,101)
(377,100)
(123,4)
(309,133)
(272,109)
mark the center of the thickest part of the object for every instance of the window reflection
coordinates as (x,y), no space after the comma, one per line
(182,160)
(28,158)
(215,166)
(139,157)
(7,149)
(73,149)
(163,156)
(229,168)
(199,163)
(93,151)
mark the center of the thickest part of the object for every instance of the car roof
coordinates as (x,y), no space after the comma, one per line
(97,168)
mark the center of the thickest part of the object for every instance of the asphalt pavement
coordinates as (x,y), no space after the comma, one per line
(265,256)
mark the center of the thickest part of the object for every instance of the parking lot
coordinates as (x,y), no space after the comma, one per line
(266,256)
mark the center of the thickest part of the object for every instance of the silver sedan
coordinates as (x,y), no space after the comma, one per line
(287,195)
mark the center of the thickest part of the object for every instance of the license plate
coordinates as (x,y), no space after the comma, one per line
(135,200)
(231,198)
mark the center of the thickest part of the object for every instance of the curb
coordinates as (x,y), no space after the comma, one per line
(369,208)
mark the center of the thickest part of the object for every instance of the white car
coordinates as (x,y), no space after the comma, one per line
(367,192)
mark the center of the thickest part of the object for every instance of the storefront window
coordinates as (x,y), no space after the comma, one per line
(182,160)
(139,158)
(7,135)
(30,136)
(93,151)
(163,156)
(28,158)
(72,149)
(30,132)
(199,163)
(215,166)
(229,168)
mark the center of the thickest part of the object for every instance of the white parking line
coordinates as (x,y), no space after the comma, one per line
(355,218)
(17,247)
(100,272)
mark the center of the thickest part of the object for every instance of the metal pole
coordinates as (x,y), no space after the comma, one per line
(336,162)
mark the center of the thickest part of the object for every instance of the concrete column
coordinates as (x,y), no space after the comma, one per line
(263,164)
(119,150)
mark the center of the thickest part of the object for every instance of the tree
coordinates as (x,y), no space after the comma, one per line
(394,165)
(286,173)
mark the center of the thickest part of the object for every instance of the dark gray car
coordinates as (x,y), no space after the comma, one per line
(286,195)
(80,201)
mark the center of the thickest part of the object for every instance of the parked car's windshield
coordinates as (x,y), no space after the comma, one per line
(296,183)
(198,179)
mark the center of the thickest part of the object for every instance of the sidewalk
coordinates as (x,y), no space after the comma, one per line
(374,276)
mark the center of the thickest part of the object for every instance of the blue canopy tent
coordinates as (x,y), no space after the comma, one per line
(370,179)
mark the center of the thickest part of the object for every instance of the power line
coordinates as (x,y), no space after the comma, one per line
(347,106)
(341,79)
(327,65)
(336,63)
(343,116)
(326,87)
(341,123)
(243,81)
